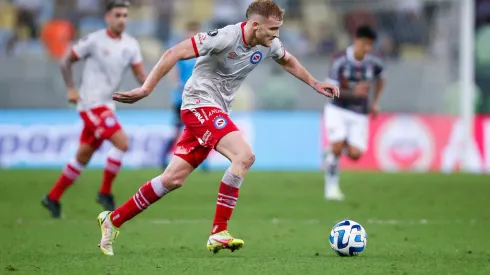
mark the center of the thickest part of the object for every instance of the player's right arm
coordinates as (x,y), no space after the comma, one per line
(199,45)
(80,50)
(182,51)
(174,75)
(66,71)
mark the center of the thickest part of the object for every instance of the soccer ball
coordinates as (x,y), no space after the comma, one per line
(348,238)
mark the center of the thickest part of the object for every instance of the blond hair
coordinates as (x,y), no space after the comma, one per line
(265,8)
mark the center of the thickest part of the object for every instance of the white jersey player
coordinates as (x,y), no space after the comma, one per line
(107,54)
(226,56)
(355,69)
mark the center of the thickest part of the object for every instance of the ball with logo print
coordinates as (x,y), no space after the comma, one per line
(348,238)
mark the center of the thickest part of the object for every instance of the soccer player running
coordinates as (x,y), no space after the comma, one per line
(107,54)
(226,56)
(355,70)
(181,73)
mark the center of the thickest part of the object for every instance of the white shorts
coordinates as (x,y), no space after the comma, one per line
(345,125)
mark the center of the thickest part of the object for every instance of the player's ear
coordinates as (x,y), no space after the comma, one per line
(255,25)
(106,16)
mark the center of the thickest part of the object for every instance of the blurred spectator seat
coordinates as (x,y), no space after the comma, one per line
(142,21)
(7,19)
(7,15)
(90,24)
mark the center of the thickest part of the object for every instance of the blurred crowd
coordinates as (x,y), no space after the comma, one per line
(406,27)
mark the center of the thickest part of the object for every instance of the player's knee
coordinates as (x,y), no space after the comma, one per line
(337,148)
(354,153)
(120,140)
(83,159)
(84,154)
(245,159)
(123,146)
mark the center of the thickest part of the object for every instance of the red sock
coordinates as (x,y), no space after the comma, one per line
(112,167)
(149,193)
(68,176)
(227,198)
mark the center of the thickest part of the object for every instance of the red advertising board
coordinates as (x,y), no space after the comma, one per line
(411,142)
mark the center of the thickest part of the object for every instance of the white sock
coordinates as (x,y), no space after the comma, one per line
(332,172)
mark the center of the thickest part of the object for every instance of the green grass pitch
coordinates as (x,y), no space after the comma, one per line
(416,223)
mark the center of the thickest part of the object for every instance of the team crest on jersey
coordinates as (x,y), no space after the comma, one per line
(220,122)
(213,33)
(256,57)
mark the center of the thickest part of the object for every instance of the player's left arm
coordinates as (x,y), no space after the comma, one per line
(294,67)
(137,65)
(380,85)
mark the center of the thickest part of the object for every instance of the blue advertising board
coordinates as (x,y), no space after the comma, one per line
(49,138)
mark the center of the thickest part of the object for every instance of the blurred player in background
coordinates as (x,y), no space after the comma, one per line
(226,56)
(355,70)
(181,73)
(107,54)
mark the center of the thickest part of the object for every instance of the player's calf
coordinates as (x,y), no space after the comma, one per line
(332,189)
(152,191)
(111,169)
(235,148)
(176,173)
(70,173)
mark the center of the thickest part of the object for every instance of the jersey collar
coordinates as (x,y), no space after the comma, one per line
(243,33)
(111,35)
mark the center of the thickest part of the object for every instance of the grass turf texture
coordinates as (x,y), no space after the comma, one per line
(416,223)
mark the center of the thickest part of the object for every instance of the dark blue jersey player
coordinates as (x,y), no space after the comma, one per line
(357,71)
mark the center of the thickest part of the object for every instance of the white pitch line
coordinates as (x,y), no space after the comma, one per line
(274,221)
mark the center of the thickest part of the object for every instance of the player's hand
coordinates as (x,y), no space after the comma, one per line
(374,109)
(72,95)
(362,89)
(327,89)
(131,96)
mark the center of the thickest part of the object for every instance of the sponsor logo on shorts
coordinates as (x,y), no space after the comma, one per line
(204,114)
(98,132)
(198,115)
(206,136)
(220,122)
(215,111)
(256,57)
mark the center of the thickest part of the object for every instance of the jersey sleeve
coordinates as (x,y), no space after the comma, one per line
(83,47)
(277,49)
(137,57)
(379,69)
(211,42)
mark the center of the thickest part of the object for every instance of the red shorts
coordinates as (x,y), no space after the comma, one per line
(99,124)
(204,128)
